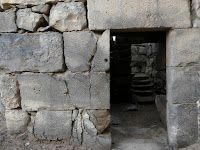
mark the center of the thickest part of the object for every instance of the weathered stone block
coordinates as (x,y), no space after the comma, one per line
(183,84)
(182,124)
(53,125)
(89,129)
(68,91)
(183,47)
(78,85)
(16,121)
(100,118)
(40,91)
(31,52)
(68,16)
(88,91)
(44,9)
(79,49)
(7,21)
(101,60)
(105,14)
(100,91)
(28,20)
(9,91)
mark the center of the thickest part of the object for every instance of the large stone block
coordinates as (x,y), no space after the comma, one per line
(182,124)
(28,20)
(9,91)
(88,91)
(183,47)
(31,52)
(53,125)
(78,85)
(68,16)
(126,14)
(62,92)
(79,49)
(7,21)
(183,84)
(101,60)
(100,91)
(16,121)
(40,91)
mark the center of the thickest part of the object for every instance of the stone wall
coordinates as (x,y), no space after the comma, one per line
(54,77)
(54,63)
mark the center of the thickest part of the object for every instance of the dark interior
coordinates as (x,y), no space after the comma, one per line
(121,75)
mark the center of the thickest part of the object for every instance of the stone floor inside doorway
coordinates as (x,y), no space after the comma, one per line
(139,129)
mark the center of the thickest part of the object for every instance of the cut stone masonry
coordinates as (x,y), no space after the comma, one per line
(54,85)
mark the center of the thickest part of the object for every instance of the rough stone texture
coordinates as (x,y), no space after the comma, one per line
(100,118)
(195,13)
(7,21)
(2,108)
(7,3)
(182,124)
(16,121)
(179,53)
(79,48)
(100,91)
(68,16)
(126,14)
(53,125)
(31,52)
(28,20)
(101,60)
(79,89)
(41,9)
(9,91)
(183,84)
(41,91)
(88,91)
(100,142)
(86,129)
(161,104)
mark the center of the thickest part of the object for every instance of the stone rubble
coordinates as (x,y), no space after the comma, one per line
(28,20)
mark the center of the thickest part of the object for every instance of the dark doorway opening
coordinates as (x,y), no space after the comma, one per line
(138,90)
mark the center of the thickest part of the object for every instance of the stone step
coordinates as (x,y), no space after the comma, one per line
(142,87)
(142,99)
(143,93)
(141,82)
(140,76)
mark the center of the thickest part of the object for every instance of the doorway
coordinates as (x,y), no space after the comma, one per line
(138,90)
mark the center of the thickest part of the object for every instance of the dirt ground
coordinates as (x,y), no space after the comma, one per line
(8,142)
(146,132)
(139,129)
